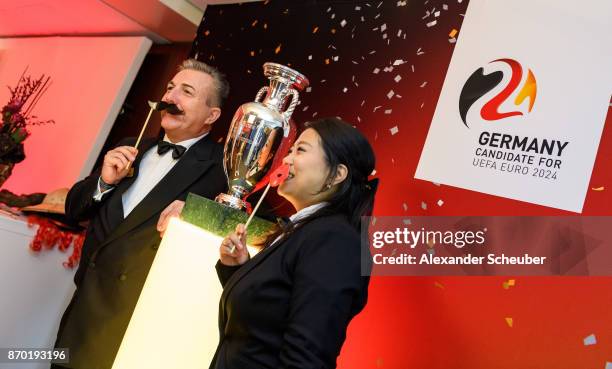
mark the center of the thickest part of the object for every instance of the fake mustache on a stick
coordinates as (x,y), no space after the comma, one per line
(159,106)
(162,105)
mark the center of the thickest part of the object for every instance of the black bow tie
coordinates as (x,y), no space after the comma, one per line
(165,146)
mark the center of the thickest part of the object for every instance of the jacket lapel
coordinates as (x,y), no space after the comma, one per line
(244,270)
(194,163)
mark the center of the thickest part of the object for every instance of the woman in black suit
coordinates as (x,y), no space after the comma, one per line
(290,305)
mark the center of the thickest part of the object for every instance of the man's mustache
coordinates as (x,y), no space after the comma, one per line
(169,107)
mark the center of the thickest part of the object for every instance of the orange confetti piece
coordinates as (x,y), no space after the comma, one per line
(333,30)
(254,23)
(439,285)
(315,30)
(453,33)
(507,284)
(207,33)
(598,188)
(252,53)
(327,61)
(510,322)
(266,2)
(278,49)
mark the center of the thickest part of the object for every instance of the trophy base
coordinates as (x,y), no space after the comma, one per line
(231,201)
(221,220)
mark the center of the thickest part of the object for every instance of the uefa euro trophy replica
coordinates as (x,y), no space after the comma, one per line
(259,131)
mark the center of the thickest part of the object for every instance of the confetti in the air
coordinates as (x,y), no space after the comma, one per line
(440,202)
(598,188)
(432,23)
(376,70)
(439,285)
(388,111)
(397,78)
(278,49)
(509,321)
(423,84)
(509,283)
(423,205)
(343,23)
(390,94)
(453,33)
(590,340)
(405,206)
(393,130)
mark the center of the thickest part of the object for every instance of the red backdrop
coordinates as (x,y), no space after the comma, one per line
(347,49)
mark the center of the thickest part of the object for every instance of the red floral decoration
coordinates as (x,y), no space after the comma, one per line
(50,235)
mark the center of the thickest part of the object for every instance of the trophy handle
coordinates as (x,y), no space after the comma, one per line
(262,91)
(295,99)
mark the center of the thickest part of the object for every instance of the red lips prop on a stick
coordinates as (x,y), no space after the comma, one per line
(276,178)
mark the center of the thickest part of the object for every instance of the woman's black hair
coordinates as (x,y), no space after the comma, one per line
(354,197)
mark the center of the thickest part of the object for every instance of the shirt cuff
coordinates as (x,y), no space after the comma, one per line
(101,190)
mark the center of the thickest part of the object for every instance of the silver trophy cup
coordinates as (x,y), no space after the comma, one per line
(257,130)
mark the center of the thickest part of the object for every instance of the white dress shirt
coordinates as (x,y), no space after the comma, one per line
(152,168)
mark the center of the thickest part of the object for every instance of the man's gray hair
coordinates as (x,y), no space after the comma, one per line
(220,84)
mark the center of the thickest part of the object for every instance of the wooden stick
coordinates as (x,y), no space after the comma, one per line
(253,212)
(139,138)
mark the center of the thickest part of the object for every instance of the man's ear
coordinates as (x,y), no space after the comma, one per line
(341,174)
(215,113)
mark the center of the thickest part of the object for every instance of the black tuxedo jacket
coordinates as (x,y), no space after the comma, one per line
(290,305)
(117,252)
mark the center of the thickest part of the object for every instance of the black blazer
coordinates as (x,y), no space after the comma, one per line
(117,252)
(290,305)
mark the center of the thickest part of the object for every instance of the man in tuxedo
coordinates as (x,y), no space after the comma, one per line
(123,210)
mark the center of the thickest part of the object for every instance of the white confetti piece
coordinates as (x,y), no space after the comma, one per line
(363,102)
(590,340)
(405,206)
(336,58)
(422,104)
(432,23)
(399,33)
(393,130)
(376,70)
(305,108)
(398,96)
(452,40)
(344,90)
(309,57)
(390,94)
(376,108)
(372,52)
(315,114)
(384,36)
(444,7)
(412,67)
(358,119)
(423,84)
(423,205)
(388,69)
(383,28)
(333,16)
(398,62)
(407,221)
(343,23)
(397,78)
(354,62)
(402,3)
(440,202)
(373,172)
(437,14)
(388,111)
(358,8)
(308,89)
